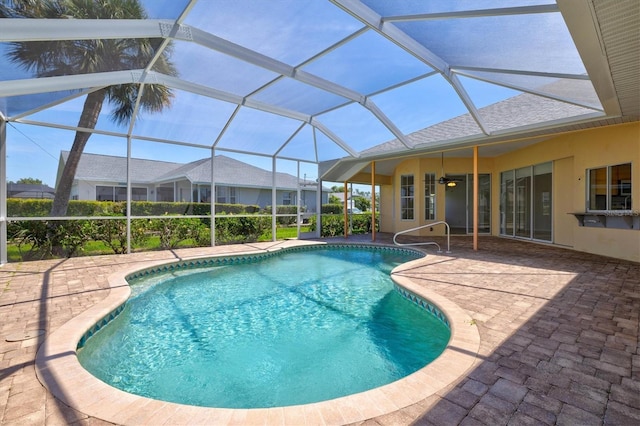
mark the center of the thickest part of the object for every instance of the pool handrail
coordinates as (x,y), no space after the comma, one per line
(425,242)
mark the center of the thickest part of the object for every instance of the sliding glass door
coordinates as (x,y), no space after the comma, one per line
(525,202)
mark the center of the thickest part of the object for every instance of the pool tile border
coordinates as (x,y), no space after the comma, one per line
(58,369)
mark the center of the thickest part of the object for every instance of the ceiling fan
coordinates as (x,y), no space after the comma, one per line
(450,182)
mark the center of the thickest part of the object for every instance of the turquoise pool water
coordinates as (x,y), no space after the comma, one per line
(299,327)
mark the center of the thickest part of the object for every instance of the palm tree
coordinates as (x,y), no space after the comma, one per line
(57,58)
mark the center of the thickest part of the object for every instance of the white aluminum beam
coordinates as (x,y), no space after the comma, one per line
(335,138)
(293,135)
(67,82)
(585,31)
(523,10)
(532,91)
(374,21)
(461,68)
(371,106)
(74,29)
(462,93)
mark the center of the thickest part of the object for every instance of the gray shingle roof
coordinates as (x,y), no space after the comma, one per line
(109,168)
(106,168)
(518,111)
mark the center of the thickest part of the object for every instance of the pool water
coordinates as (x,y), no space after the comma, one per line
(296,328)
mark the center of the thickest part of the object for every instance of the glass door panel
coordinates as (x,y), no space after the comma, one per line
(542,208)
(506,203)
(523,202)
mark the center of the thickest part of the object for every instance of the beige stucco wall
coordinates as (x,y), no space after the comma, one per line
(572,154)
(390,194)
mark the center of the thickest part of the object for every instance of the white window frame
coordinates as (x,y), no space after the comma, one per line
(407,197)
(622,190)
(430,196)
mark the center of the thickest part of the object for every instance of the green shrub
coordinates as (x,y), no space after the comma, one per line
(45,239)
(333,225)
(113,233)
(285,220)
(331,209)
(240,229)
(17,207)
(174,230)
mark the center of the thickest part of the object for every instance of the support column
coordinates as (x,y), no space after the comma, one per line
(373,201)
(476,185)
(319,208)
(3,192)
(344,210)
(128,213)
(274,200)
(213,198)
(299,201)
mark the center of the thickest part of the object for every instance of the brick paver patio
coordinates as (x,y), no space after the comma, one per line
(559,333)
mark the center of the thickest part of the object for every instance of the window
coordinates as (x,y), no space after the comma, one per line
(164,194)
(286,198)
(225,195)
(609,188)
(429,196)
(406,197)
(119,193)
(104,193)
(139,194)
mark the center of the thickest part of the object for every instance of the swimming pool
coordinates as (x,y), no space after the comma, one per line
(340,293)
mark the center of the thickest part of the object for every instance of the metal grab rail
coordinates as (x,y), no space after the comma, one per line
(428,242)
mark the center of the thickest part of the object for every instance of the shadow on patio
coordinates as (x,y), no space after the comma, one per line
(559,336)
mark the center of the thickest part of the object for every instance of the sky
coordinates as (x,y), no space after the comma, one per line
(290,33)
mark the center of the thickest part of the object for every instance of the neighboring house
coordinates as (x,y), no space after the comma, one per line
(351,207)
(28,190)
(103,178)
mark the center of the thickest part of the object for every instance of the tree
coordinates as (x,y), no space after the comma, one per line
(361,202)
(57,58)
(29,181)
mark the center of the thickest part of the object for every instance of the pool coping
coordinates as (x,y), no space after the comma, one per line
(58,369)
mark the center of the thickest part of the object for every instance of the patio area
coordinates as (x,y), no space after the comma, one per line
(559,333)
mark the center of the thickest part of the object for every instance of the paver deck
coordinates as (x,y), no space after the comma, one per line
(559,335)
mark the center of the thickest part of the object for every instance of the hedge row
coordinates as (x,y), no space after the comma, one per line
(43,238)
(17,207)
(39,239)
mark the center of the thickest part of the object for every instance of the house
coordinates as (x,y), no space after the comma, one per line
(577,187)
(28,190)
(103,178)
